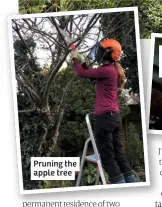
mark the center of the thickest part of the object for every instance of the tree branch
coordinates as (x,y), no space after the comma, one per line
(22,39)
(50,80)
(56,134)
(64,91)
(58,30)
(44,33)
(91,23)
(27,110)
(42,142)
(33,95)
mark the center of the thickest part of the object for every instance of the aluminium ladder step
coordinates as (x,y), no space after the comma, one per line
(94,158)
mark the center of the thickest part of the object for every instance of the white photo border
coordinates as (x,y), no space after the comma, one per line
(160,61)
(149,88)
(111,10)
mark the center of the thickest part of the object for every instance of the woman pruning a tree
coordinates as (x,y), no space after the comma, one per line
(109,77)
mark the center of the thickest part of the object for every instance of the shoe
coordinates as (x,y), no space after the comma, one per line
(131,179)
(118,182)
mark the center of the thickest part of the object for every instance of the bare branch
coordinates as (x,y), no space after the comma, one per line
(91,23)
(56,135)
(50,80)
(42,141)
(45,34)
(17,30)
(27,110)
(64,91)
(58,30)
(33,95)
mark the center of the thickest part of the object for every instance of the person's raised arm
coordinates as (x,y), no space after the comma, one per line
(89,72)
(122,77)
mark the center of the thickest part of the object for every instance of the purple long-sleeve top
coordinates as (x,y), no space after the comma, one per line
(106,86)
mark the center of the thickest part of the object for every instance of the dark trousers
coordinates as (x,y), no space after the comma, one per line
(107,134)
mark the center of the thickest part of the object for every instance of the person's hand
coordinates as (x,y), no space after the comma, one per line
(74,54)
(81,58)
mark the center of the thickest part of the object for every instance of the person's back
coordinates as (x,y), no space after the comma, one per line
(106,90)
(106,86)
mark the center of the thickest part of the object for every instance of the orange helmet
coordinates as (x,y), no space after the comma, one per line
(112,46)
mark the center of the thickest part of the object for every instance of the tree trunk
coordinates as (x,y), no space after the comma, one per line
(55,138)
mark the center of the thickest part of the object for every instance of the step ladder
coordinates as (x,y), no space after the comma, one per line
(94,158)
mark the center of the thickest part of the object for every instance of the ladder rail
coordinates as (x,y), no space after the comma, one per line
(82,161)
(98,160)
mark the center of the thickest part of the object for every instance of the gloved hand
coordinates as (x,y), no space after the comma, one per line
(81,58)
(75,54)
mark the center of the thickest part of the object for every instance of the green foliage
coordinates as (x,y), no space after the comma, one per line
(67,5)
(129,63)
(27,67)
(134,149)
(135,152)
(150,11)
(124,32)
(38,6)
(78,101)
(55,184)
(32,124)
(150,15)
(124,108)
(89,175)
